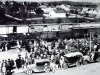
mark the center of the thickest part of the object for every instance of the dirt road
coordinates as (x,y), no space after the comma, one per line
(90,69)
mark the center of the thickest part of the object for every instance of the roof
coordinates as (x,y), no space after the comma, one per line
(73,54)
(42,6)
(66,5)
(59,11)
(42,60)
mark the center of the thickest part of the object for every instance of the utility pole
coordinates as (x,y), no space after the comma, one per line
(90,40)
(84,39)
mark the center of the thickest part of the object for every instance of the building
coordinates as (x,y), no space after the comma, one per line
(92,13)
(7,29)
(56,13)
(65,7)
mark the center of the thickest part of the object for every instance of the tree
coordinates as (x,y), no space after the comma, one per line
(23,13)
(39,11)
(2,12)
(67,15)
(76,12)
(7,4)
(44,20)
(34,5)
(49,4)
(59,20)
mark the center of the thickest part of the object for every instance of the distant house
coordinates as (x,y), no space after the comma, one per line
(46,9)
(56,13)
(65,7)
(98,11)
(92,13)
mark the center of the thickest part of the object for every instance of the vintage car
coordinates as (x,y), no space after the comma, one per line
(91,57)
(73,59)
(41,65)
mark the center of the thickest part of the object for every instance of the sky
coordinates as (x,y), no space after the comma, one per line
(94,1)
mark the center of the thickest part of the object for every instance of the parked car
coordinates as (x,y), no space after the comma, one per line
(73,59)
(92,57)
(13,44)
(41,65)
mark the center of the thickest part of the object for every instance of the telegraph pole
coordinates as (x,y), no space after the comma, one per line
(90,41)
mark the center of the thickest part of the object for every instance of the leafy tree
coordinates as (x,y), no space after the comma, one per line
(34,5)
(59,20)
(25,3)
(7,4)
(49,4)
(39,11)
(2,12)
(44,20)
(23,13)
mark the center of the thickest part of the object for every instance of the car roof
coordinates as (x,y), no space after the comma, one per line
(42,60)
(73,54)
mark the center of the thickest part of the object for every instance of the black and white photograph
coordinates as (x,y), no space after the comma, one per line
(49,37)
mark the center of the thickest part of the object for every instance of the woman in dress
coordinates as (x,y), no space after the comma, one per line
(3,68)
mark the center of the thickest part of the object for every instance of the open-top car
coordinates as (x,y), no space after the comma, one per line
(73,59)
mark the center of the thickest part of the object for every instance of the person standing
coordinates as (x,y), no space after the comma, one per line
(23,62)
(26,60)
(53,66)
(6,49)
(61,62)
(18,45)
(53,44)
(3,68)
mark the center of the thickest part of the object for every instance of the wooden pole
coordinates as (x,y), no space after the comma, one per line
(90,41)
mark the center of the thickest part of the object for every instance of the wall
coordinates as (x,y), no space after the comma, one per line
(22,29)
(52,14)
(7,30)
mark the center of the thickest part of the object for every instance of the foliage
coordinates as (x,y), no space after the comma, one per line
(59,20)
(39,11)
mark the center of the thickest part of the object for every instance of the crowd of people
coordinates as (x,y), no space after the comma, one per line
(7,66)
(41,49)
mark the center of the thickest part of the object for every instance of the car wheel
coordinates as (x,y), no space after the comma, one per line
(65,66)
(29,72)
(77,64)
(47,69)
(98,59)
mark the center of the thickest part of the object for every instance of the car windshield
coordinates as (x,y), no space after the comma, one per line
(72,59)
(42,62)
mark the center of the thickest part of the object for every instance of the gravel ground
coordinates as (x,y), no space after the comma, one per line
(90,69)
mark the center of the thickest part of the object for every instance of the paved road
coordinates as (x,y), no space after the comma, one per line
(90,69)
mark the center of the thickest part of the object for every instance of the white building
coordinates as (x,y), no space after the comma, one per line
(92,13)
(5,29)
(56,13)
(65,7)
(46,9)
